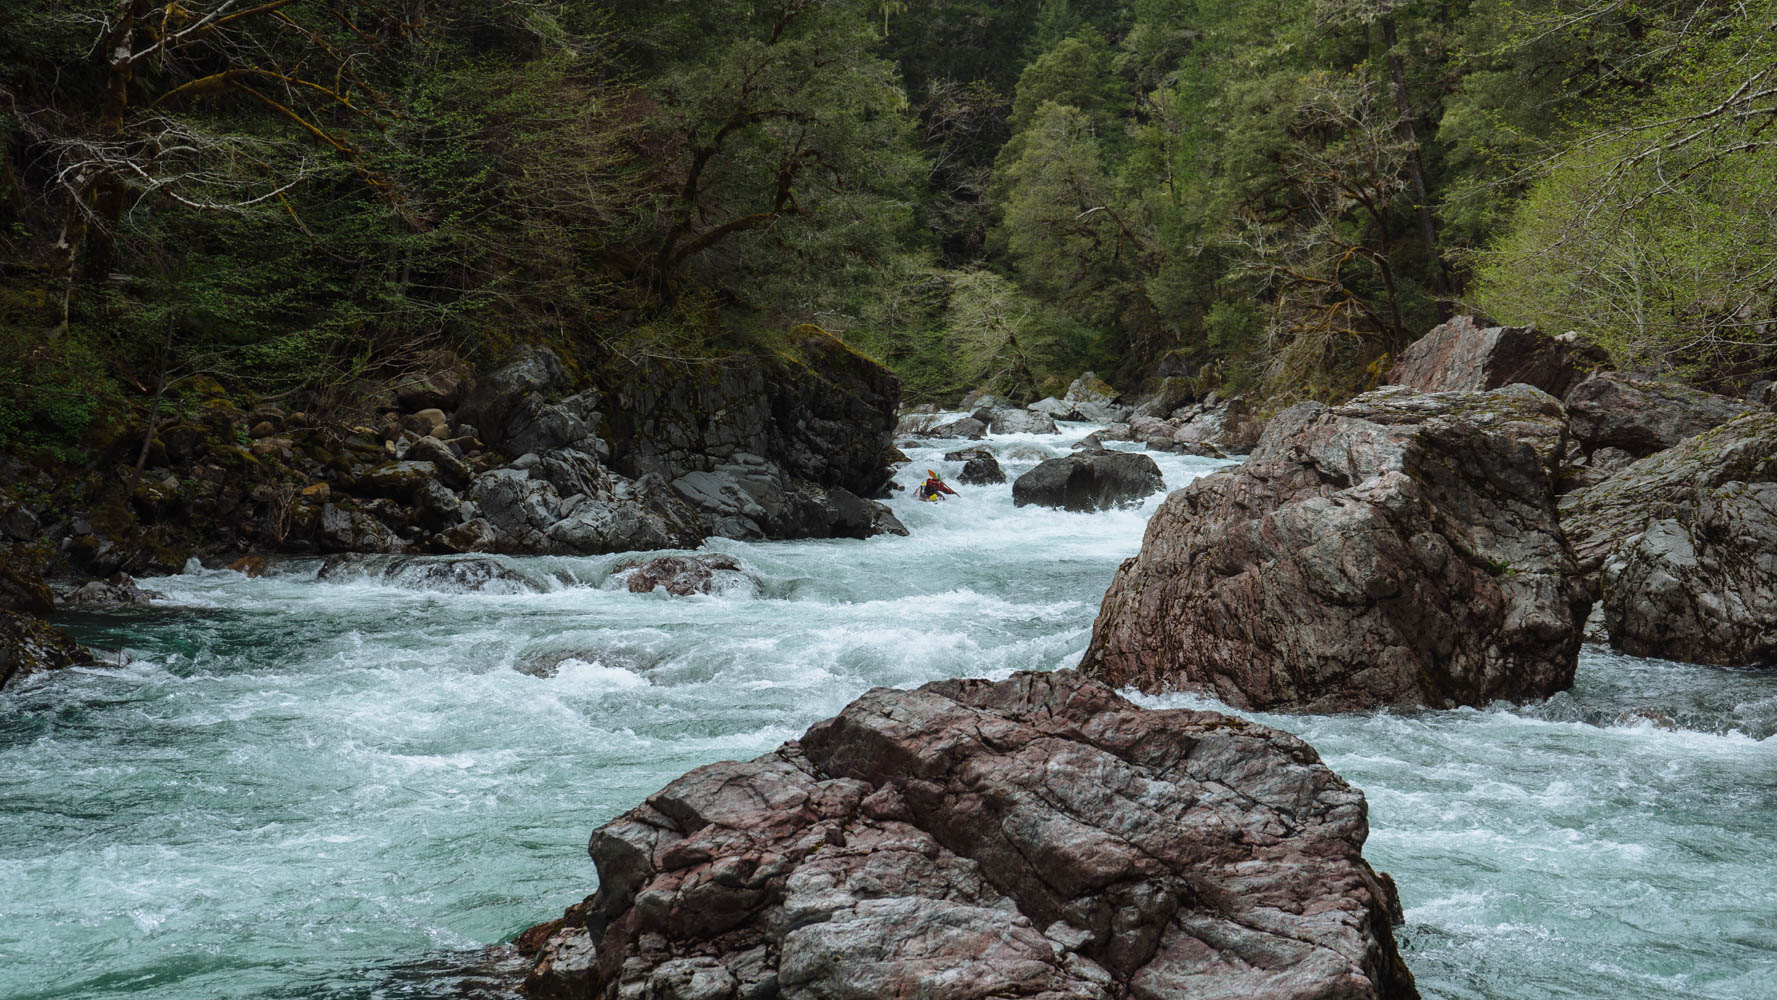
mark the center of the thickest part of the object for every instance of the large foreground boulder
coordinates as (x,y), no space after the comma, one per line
(1463,355)
(1600,519)
(1640,416)
(1399,550)
(1700,586)
(1090,480)
(1040,837)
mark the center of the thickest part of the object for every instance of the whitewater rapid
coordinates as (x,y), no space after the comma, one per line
(351,787)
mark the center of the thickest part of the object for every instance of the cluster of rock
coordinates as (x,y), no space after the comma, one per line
(1038,837)
(1435,549)
(1172,417)
(523,459)
(666,460)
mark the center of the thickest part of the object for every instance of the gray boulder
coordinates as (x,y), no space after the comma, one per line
(118,591)
(1052,408)
(473,535)
(1040,837)
(593,526)
(1700,586)
(1400,550)
(1091,481)
(572,472)
(966,427)
(1642,416)
(1089,388)
(451,470)
(505,405)
(1169,395)
(343,528)
(1021,422)
(519,508)
(980,468)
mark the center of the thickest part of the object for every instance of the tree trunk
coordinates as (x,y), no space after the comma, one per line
(108,193)
(1428,232)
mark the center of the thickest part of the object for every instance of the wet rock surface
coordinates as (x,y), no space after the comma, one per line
(1400,550)
(1700,586)
(980,468)
(1038,837)
(1090,480)
(29,645)
(682,576)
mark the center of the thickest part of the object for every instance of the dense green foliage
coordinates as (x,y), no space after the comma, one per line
(1269,195)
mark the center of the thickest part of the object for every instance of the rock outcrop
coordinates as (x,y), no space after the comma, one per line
(1601,518)
(1089,480)
(1400,550)
(1643,416)
(29,645)
(1462,355)
(1040,837)
(1700,586)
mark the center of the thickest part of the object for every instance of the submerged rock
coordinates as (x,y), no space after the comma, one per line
(1400,550)
(1700,586)
(682,576)
(1038,837)
(1093,480)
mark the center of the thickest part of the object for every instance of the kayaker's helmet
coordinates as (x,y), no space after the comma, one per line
(933,475)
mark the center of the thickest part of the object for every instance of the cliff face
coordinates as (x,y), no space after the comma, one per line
(1036,837)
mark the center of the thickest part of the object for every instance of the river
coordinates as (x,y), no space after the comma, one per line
(350,787)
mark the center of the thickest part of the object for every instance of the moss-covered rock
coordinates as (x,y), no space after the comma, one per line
(29,645)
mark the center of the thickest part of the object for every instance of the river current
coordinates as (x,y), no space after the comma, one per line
(350,787)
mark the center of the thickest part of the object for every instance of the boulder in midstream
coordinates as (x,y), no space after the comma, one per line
(1089,481)
(1399,550)
(1039,837)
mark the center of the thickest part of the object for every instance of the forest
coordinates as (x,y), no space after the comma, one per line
(1269,197)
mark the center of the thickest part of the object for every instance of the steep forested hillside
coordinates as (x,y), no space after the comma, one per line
(1267,195)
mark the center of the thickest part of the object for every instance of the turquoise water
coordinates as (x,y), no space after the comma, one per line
(351,787)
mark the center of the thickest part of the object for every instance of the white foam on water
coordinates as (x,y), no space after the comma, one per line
(299,780)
